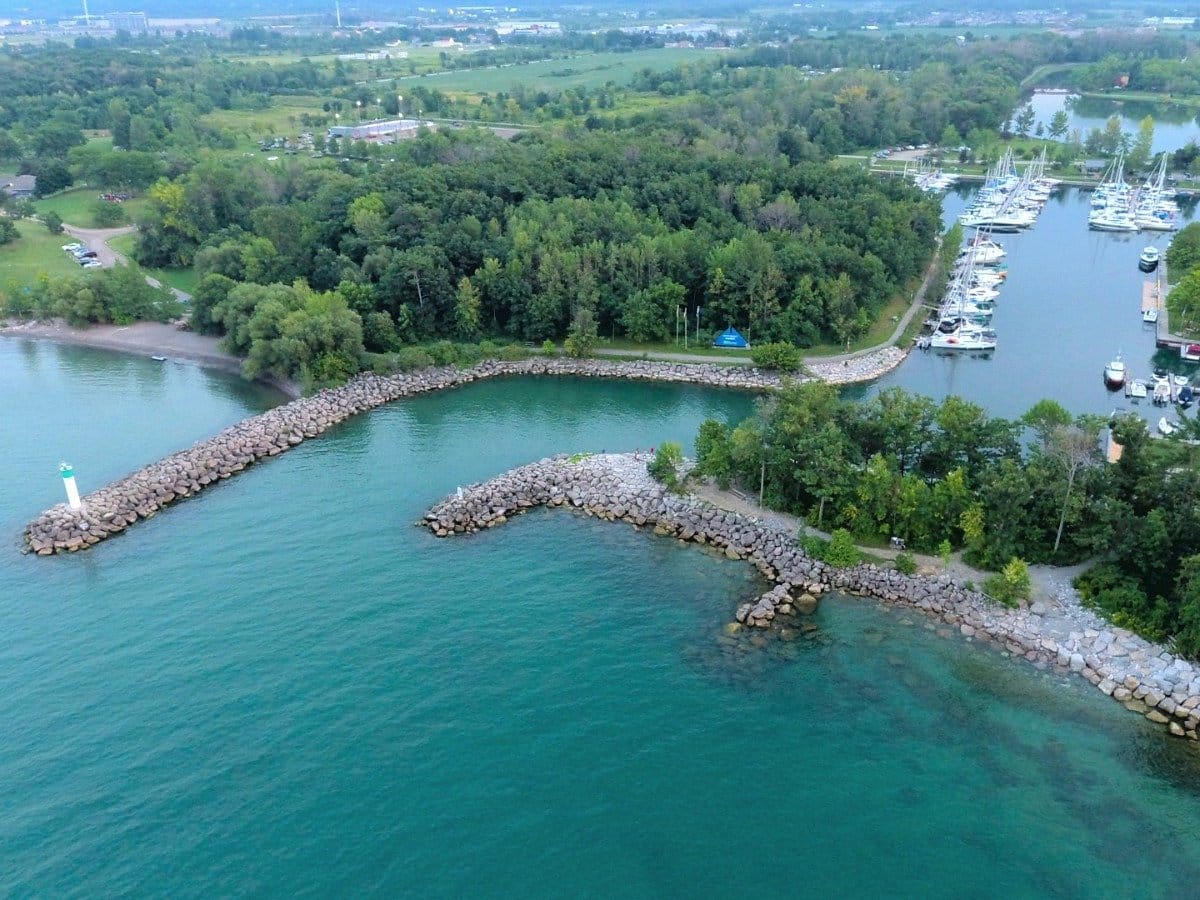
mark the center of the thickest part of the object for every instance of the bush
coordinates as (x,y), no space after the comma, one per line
(548,348)
(906,563)
(781,356)
(814,545)
(53,222)
(513,353)
(665,465)
(1011,584)
(412,358)
(108,215)
(842,552)
(443,353)
(945,551)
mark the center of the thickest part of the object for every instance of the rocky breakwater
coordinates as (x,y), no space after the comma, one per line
(141,495)
(617,487)
(866,367)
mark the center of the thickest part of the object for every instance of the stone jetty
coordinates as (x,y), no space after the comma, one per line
(1145,677)
(141,495)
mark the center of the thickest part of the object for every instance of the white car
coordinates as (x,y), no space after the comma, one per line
(69,247)
(92,264)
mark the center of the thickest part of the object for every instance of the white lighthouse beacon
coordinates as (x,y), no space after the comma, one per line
(68,476)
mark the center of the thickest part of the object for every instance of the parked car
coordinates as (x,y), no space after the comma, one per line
(70,247)
(91,264)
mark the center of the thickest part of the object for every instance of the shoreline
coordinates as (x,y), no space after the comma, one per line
(1065,637)
(148,339)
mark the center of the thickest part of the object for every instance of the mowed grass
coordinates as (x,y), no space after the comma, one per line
(180,279)
(590,70)
(75,206)
(37,252)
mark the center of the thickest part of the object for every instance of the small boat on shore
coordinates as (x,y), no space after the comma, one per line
(1166,427)
(1148,261)
(1114,372)
(159,358)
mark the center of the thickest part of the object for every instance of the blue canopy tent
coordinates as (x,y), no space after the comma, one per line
(730,339)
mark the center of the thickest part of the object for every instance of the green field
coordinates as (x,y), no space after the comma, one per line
(590,70)
(75,206)
(180,279)
(35,253)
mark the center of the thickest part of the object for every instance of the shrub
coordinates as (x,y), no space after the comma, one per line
(906,563)
(1011,584)
(53,222)
(842,552)
(489,349)
(513,352)
(412,358)
(548,348)
(812,544)
(664,467)
(781,356)
(945,551)
(443,353)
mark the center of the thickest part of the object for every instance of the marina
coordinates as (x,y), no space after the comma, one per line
(1067,305)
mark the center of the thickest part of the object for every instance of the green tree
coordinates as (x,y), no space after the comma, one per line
(467,310)
(53,222)
(581,339)
(666,464)
(8,231)
(1059,124)
(1012,584)
(1143,145)
(1024,120)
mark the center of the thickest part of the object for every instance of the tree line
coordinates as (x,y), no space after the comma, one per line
(947,474)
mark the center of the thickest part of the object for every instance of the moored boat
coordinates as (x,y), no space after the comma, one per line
(1114,372)
(1166,427)
(1148,261)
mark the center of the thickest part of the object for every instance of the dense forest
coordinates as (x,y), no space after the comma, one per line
(1035,489)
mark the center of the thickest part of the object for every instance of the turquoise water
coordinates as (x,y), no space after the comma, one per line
(283,686)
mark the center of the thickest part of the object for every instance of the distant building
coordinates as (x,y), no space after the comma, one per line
(133,22)
(536,29)
(19,187)
(374,131)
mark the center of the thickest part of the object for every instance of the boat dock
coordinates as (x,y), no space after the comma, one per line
(1163,336)
(1152,299)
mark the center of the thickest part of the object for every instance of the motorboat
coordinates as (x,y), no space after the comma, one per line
(1148,261)
(1137,389)
(1150,316)
(1190,352)
(1162,393)
(1180,380)
(1114,372)
(1186,396)
(1166,427)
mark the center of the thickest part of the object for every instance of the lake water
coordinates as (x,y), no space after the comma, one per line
(1071,301)
(1174,126)
(284,687)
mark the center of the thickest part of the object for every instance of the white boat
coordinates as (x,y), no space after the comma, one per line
(1161,392)
(1150,316)
(1180,380)
(1137,389)
(965,337)
(1114,372)
(1148,261)
(1166,427)
(983,253)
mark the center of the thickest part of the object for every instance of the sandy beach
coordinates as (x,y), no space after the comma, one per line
(144,339)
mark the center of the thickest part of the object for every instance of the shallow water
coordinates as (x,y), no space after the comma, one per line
(283,686)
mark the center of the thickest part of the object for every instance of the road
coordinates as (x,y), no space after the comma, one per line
(96,239)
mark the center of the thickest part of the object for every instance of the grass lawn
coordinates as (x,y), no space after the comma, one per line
(180,279)
(36,252)
(592,70)
(75,206)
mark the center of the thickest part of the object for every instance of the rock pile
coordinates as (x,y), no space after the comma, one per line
(617,487)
